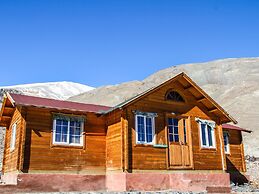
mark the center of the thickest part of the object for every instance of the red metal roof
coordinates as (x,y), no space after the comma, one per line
(24,100)
(228,126)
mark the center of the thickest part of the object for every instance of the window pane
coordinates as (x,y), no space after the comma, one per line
(58,137)
(64,129)
(203,134)
(170,121)
(170,128)
(149,138)
(176,130)
(58,122)
(226,148)
(61,130)
(176,138)
(225,135)
(225,138)
(210,135)
(78,124)
(175,122)
(63,138)
(65,122)
(149,134)
(141,129)
(58,129)
(75,132)
(74,139)
(171,138)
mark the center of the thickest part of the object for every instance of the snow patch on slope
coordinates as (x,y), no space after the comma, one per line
(55,90)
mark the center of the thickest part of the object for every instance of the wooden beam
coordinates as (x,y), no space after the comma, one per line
(8,111)
(213,110)
(3,106)
(2,124)
(6,118)
(188,87)
(201,99)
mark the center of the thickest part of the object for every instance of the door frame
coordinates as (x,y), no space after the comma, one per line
(189,140)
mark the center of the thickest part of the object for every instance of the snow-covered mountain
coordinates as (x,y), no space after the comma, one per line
(55,90)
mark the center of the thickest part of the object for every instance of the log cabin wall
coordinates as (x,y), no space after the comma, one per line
(114,152)
(41,155)
(11,158)
(147,157)
(235,160)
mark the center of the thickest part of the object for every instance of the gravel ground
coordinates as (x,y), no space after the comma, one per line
(244,188)
(135,192)
(253,171)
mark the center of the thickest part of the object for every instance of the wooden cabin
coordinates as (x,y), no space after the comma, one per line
(168,137)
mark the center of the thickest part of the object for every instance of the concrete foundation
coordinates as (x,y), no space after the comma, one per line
(167,181)
(117,182)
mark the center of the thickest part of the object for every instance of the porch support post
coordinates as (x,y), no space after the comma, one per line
(223,156)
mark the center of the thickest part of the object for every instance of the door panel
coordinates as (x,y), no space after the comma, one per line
(175,158)
(186,155)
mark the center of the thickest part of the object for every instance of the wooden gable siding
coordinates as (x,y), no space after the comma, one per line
(41,155)
(148,157)
(235,160)
(114,152)
(11,159)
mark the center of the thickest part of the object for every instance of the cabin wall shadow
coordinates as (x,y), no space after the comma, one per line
(27,151)
(235,175)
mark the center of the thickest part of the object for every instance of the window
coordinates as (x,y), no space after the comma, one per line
(145,129)
(174,96)
(226,142)
(68,131)
(174,126)
(173,130)
(13,137)
(207,133)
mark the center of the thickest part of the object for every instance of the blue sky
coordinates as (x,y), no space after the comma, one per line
(98,42)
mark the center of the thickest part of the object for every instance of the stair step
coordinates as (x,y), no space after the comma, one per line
(218,189)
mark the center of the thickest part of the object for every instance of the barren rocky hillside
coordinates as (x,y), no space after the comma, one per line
(234,83)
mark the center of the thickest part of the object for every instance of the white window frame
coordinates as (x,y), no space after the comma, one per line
(68,135)
(13,137)
(153,129)
(206,136)
(227,146)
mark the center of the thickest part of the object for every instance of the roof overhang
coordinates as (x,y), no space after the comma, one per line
(188,84)
(7,110)
(234,127)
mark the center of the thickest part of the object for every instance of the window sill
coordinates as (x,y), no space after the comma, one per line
(151,145)
(209,148)
(67,146)
(160,146)
(143,145)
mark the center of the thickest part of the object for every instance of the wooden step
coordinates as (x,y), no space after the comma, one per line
(218,189)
